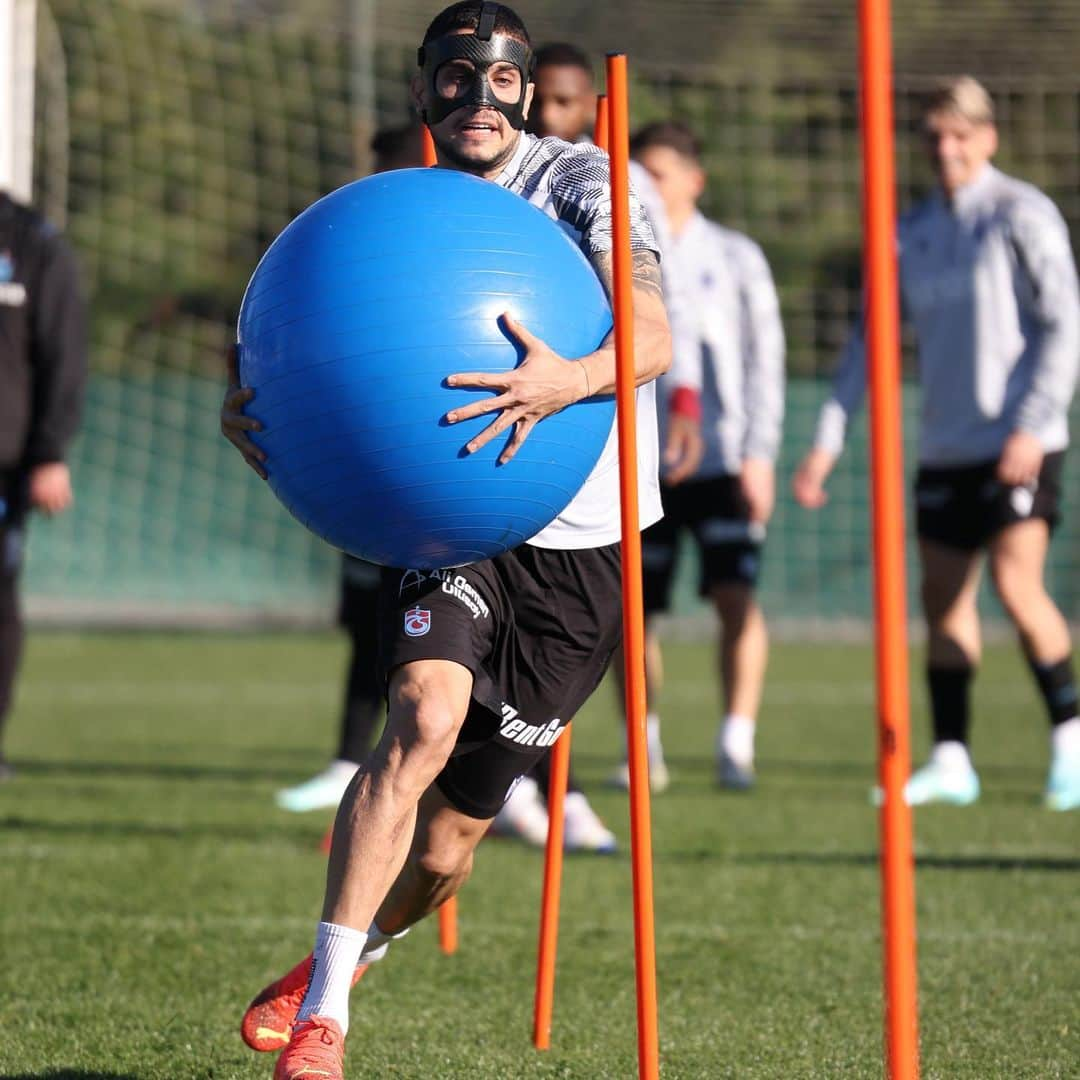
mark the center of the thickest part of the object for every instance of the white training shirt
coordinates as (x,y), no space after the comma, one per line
(571,183)
(989,283)
(734,353)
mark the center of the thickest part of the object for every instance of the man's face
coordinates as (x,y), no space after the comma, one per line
(679,180)
(564,104)
(957,148)
(477,140)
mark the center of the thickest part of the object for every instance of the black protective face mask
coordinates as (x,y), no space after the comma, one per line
(481,52)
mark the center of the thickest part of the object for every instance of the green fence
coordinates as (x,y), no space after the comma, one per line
(169,525)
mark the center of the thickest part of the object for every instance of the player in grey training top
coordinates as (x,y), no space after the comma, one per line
(988,281)
(729,366)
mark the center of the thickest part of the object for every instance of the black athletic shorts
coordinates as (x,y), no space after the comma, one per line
(358,606)
(536,627)
(965,506)
(716,514)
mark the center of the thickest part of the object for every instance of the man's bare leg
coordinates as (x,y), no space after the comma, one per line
(438,864)
(376,822)
(743,654)
(1018,562)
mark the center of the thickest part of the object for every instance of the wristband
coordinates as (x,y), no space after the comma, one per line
(685,401)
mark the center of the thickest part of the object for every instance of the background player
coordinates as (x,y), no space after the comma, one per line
(564,102)
(42,380)
(989,282)
(416,809)
(735,360)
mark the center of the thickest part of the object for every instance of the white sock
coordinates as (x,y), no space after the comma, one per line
(378,944)
(1065,738)
(737,739)
(652,736)
(952,756)
(337,950)
(340,768)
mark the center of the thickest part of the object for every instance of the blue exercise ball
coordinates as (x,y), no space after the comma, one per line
(349,326)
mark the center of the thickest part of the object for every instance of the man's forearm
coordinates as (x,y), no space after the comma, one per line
(652,336)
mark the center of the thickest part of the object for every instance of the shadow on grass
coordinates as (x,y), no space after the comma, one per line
(68,1074)
(157,770)
(255,833)
(922,862)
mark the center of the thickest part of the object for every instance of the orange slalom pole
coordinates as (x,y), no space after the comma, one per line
(633,607)
(448,926)
(602,129)
(883,338)
(428,145)
(549,906)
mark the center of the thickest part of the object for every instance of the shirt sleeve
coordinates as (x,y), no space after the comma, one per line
(848,390)
(581,194)
(763,354)
(57,354)
(1049,295)
(686,366)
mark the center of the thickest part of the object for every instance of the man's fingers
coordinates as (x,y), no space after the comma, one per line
(231,420)
(520,434)
(519,332)
(477,408)
(246,447)
(257,467)
(492,380)
(236,399)
(493,430)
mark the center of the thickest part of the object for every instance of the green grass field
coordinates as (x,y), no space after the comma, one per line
(150,887)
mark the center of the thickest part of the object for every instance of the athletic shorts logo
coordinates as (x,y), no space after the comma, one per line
(417,621)
(515,730)
(1022,500)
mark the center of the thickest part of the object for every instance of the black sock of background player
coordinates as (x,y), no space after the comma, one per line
(11,639)
(542,775)
(363,708)
(950,702)
(1057,684)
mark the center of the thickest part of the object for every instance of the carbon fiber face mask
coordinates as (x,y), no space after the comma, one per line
(480,50)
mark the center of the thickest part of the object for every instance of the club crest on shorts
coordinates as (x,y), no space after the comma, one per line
(417,621)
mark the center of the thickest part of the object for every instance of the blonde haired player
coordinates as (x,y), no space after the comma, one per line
(989,284)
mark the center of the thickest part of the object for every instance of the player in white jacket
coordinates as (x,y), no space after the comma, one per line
(989,284)
(728,370)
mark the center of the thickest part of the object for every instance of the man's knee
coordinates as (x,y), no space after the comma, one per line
(445,839)
(428,703)
(736,605)
(1017,587)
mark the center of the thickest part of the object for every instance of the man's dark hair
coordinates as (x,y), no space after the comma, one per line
(669,134)
(394,143)
(563,54)
(466,16)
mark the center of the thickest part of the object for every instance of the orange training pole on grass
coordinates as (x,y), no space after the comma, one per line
(883,338)
(547,950)
(448,926)
(549,905)
(601,132)
(633,608)
(448,911)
